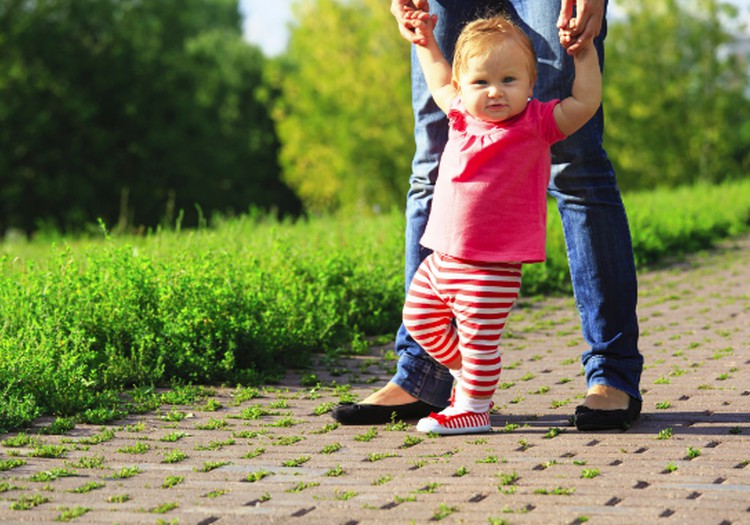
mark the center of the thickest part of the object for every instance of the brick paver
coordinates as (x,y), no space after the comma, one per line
(277,458)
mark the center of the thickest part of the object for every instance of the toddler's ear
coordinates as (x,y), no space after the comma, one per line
(456,85)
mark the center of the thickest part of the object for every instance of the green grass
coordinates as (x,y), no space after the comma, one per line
(174,456)
(88,487)
(127,472)
(88,320)
(71,514)
(171,481)
(208,466)
(50,475)
(26,502)
(8,464)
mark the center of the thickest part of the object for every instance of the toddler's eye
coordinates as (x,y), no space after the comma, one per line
(508,80)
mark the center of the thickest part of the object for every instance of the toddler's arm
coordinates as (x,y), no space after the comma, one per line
(436,69)
(574,111)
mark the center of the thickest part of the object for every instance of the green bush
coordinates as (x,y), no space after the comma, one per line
(663,223)
(239,303)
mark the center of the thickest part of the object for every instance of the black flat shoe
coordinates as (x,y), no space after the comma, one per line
(361,414)
(593,419)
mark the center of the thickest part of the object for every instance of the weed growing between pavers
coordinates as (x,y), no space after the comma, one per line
(410,441)
(7,486)
(208,466)
(88,487)
(215,493)
(51,475)
(345,495)
(212,424)
(378,456)
(589,473)
(25,502)
(139,448)
(69,514)
(257,475)
(171,481)
(382,480)
(557,491)
(443,511)
(49,451)
(285,441)
(164,508)
(303,485)
(127,472)
(107,434)
(174,456)
(371,434)
(88,462)
(335,472)
(331,448)
(9,464)
(665,433)
(254,453)
(507,479)
(216,445)
(296,462)
(174,436)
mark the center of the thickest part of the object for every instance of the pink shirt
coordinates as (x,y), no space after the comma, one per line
(490,201)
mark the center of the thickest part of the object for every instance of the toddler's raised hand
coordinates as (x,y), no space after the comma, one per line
(424,25)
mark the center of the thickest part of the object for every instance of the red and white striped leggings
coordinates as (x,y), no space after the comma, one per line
(479,297)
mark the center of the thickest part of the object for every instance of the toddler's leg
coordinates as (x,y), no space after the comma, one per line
(428,318)
(484,295)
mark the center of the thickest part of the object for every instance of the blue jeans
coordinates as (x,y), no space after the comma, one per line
(596,230)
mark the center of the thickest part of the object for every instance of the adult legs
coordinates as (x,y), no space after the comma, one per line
(595,226)
(419,378)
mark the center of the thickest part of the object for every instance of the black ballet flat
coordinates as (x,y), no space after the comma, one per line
(361,414)
(594,419)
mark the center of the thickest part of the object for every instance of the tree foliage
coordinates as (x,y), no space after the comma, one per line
(345,115)
(675,94)
(676,100)
(130,110)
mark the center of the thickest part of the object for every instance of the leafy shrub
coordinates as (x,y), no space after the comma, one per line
(241,302)
(663,223)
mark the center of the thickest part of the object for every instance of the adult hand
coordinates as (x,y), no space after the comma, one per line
(586,25)
(403,11)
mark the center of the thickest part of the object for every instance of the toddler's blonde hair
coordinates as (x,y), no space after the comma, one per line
(479,36)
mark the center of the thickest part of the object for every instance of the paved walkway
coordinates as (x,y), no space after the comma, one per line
(277,458)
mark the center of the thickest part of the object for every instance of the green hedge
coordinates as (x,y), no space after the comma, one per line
(663,223)
(240,302)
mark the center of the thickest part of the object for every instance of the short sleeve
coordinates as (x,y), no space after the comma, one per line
(457,115)
(545,117)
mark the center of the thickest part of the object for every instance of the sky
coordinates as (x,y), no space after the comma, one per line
(265,21)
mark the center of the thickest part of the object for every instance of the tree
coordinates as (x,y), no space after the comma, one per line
(675,94)
(131,110)
(675,100)
(344,116)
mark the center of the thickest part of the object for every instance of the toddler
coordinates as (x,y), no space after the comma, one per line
(489,208)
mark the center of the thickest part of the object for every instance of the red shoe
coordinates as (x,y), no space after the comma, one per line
(463,423)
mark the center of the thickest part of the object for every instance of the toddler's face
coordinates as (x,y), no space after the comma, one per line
(496,86)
